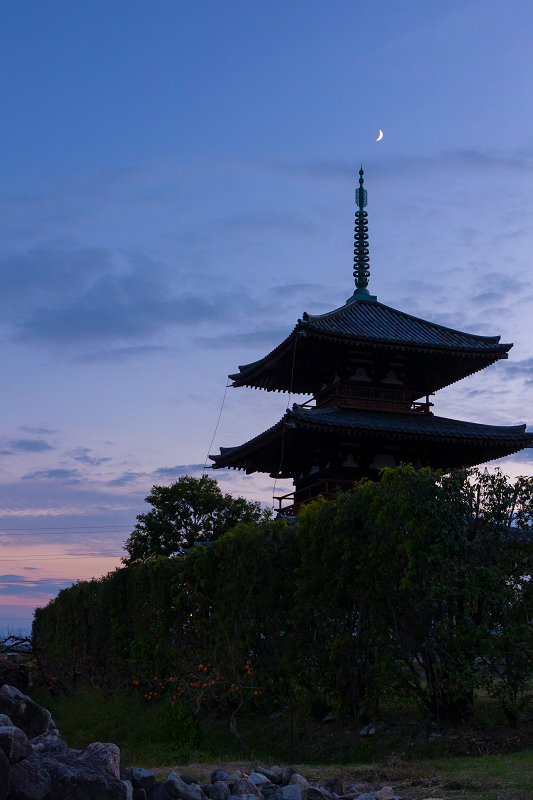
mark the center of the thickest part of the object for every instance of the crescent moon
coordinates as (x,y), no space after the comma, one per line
(380,137)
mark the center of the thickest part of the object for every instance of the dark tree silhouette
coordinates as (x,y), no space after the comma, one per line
(189,510)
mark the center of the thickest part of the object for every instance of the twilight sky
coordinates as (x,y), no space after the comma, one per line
(177,186)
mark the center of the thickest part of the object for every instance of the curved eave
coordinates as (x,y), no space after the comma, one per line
(258,375)
(512,438)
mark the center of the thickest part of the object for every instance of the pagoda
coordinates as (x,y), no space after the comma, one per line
(371,371)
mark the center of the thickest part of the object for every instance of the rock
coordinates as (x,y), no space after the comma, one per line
(219,791)
(219,775)
(14,743)
(50,742)
(367,796)
(236,776)
(125,773)
(318,793)
(4,720)
(176,787)
(301,783)
(138,794)
(129,789)
(103,756)
(24,713)
(277,773)
(287,774)
(334,785)
(142,779)
(266,772)
(368,730)
(159,792)
(63,777)
(188,780)
(243,786)
(4,775)
(258,779)
(291,792)
(387,793)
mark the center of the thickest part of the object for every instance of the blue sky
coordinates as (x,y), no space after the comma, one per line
(176,188)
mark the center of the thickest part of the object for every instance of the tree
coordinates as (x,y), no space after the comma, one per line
(189,510)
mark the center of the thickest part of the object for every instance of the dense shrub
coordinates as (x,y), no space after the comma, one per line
(417,585)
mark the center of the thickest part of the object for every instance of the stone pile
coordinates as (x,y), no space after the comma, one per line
(36,764)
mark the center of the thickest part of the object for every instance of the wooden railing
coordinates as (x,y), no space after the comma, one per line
(326,488)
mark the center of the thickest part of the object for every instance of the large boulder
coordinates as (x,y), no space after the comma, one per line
(334,785)
(302,784)
(287,774)
(266,772)
(245,787)
(4,720)
(219,791)
(277,775)
(14,743)
(63,777)
(318,793)
(159,792)
(290,792)
(102,756)
(24,713)
(4,775)
(142,779)
(219,775)
(178,788)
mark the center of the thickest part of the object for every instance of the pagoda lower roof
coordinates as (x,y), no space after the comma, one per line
(367,324)
(356,424)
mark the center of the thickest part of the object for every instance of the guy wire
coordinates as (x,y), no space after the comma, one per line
(216,427)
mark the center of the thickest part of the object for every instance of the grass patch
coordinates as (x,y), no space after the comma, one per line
(404,753)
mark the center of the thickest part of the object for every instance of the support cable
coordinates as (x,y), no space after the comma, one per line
(216,427)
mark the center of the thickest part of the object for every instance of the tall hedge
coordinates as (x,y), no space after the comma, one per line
(415,586)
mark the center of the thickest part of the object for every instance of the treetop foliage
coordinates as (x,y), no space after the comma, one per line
(189,510)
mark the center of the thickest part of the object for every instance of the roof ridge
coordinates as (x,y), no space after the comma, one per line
(345,308)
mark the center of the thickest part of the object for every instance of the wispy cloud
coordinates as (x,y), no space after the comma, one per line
(63,475)
(82,454)
(36,430)
(126,478)
(21,586)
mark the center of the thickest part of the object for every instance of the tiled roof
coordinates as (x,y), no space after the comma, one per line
(411,424)
(364,320)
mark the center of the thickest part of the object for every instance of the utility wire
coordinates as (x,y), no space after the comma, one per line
(57,533)
(67,528)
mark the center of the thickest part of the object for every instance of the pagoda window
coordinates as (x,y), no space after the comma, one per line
(391,377)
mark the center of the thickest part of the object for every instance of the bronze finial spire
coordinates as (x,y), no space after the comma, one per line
(361,258)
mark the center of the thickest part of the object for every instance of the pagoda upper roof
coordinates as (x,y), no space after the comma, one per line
(357,422)
(380,323)
(370,324)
